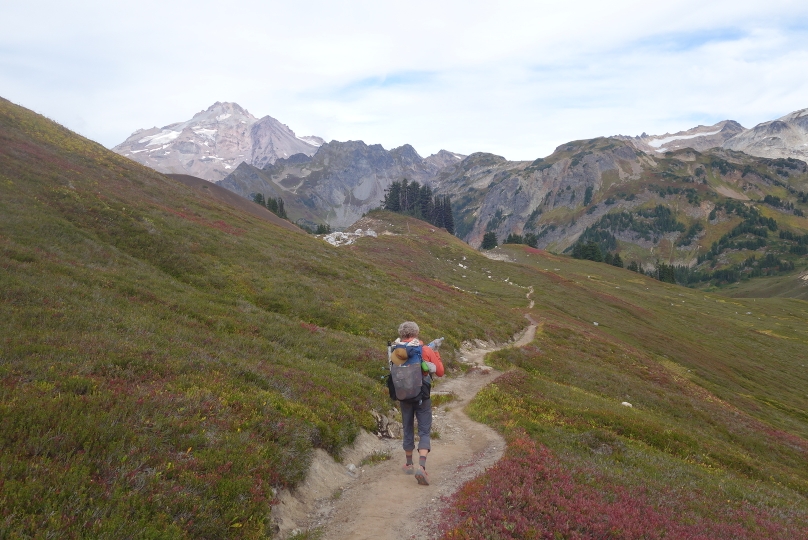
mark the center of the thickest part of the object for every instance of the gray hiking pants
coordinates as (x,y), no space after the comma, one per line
(423,413)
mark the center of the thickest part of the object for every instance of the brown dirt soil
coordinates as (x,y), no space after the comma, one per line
(381,502)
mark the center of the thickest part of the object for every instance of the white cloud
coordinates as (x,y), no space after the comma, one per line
(514,78)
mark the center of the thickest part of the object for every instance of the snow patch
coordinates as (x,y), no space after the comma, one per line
(223,116)
(311,139)
(163,137)
(666,140)
(210,133)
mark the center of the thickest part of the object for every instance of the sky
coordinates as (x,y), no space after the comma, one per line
(514,78)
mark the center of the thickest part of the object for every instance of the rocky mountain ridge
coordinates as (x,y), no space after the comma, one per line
(677,207)
(698,138)
(214,142)
(340,182)
(786,137)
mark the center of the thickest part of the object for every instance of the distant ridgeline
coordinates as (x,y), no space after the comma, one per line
(413,199)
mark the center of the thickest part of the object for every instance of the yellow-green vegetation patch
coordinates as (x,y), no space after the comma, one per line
(609,178)
(439,399)
(378,456)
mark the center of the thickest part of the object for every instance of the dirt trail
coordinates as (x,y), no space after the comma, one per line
(383,503)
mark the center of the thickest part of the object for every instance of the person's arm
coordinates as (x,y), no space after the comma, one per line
(432,356)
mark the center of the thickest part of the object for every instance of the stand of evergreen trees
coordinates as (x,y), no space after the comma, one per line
(413,199)
(770,265)
(591,251)
(529,239)
(272,204)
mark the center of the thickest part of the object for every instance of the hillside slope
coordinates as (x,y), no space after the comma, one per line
(642,410)
(167,362)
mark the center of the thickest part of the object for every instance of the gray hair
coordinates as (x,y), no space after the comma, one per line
(408,329)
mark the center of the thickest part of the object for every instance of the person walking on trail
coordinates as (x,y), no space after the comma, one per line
(418,408)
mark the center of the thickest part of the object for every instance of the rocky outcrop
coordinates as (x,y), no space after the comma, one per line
(786,137)
(214,142)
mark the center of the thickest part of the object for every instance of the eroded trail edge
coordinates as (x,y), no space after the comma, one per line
(379,501)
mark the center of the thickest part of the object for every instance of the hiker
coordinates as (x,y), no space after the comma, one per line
(419,407)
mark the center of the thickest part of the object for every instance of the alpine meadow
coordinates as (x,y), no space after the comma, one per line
(169,363)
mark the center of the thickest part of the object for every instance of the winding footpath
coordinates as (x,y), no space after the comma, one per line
(383,503)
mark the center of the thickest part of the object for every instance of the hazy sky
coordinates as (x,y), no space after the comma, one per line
(513,78)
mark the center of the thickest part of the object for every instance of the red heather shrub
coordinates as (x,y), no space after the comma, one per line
(528,495)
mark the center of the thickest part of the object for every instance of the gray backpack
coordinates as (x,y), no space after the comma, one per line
(407,379)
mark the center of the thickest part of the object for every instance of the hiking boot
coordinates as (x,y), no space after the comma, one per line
(421,476)
(408,469)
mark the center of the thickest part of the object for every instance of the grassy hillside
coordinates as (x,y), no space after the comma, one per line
(167,361)
(714,445)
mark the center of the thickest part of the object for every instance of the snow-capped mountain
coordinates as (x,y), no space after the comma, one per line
(214,142)
(786,137)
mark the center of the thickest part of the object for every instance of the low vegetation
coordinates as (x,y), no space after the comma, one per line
(652,411)
(167,364)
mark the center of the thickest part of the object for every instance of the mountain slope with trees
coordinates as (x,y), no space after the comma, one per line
(714,215)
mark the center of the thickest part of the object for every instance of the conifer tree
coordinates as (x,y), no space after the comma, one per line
(414,199)
(437,212)
(272,205)
(425,200)
(392,197)
(448,219)
(489,240)
(404,204)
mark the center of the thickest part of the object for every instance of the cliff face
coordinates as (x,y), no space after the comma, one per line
(339,183)
(490,193)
